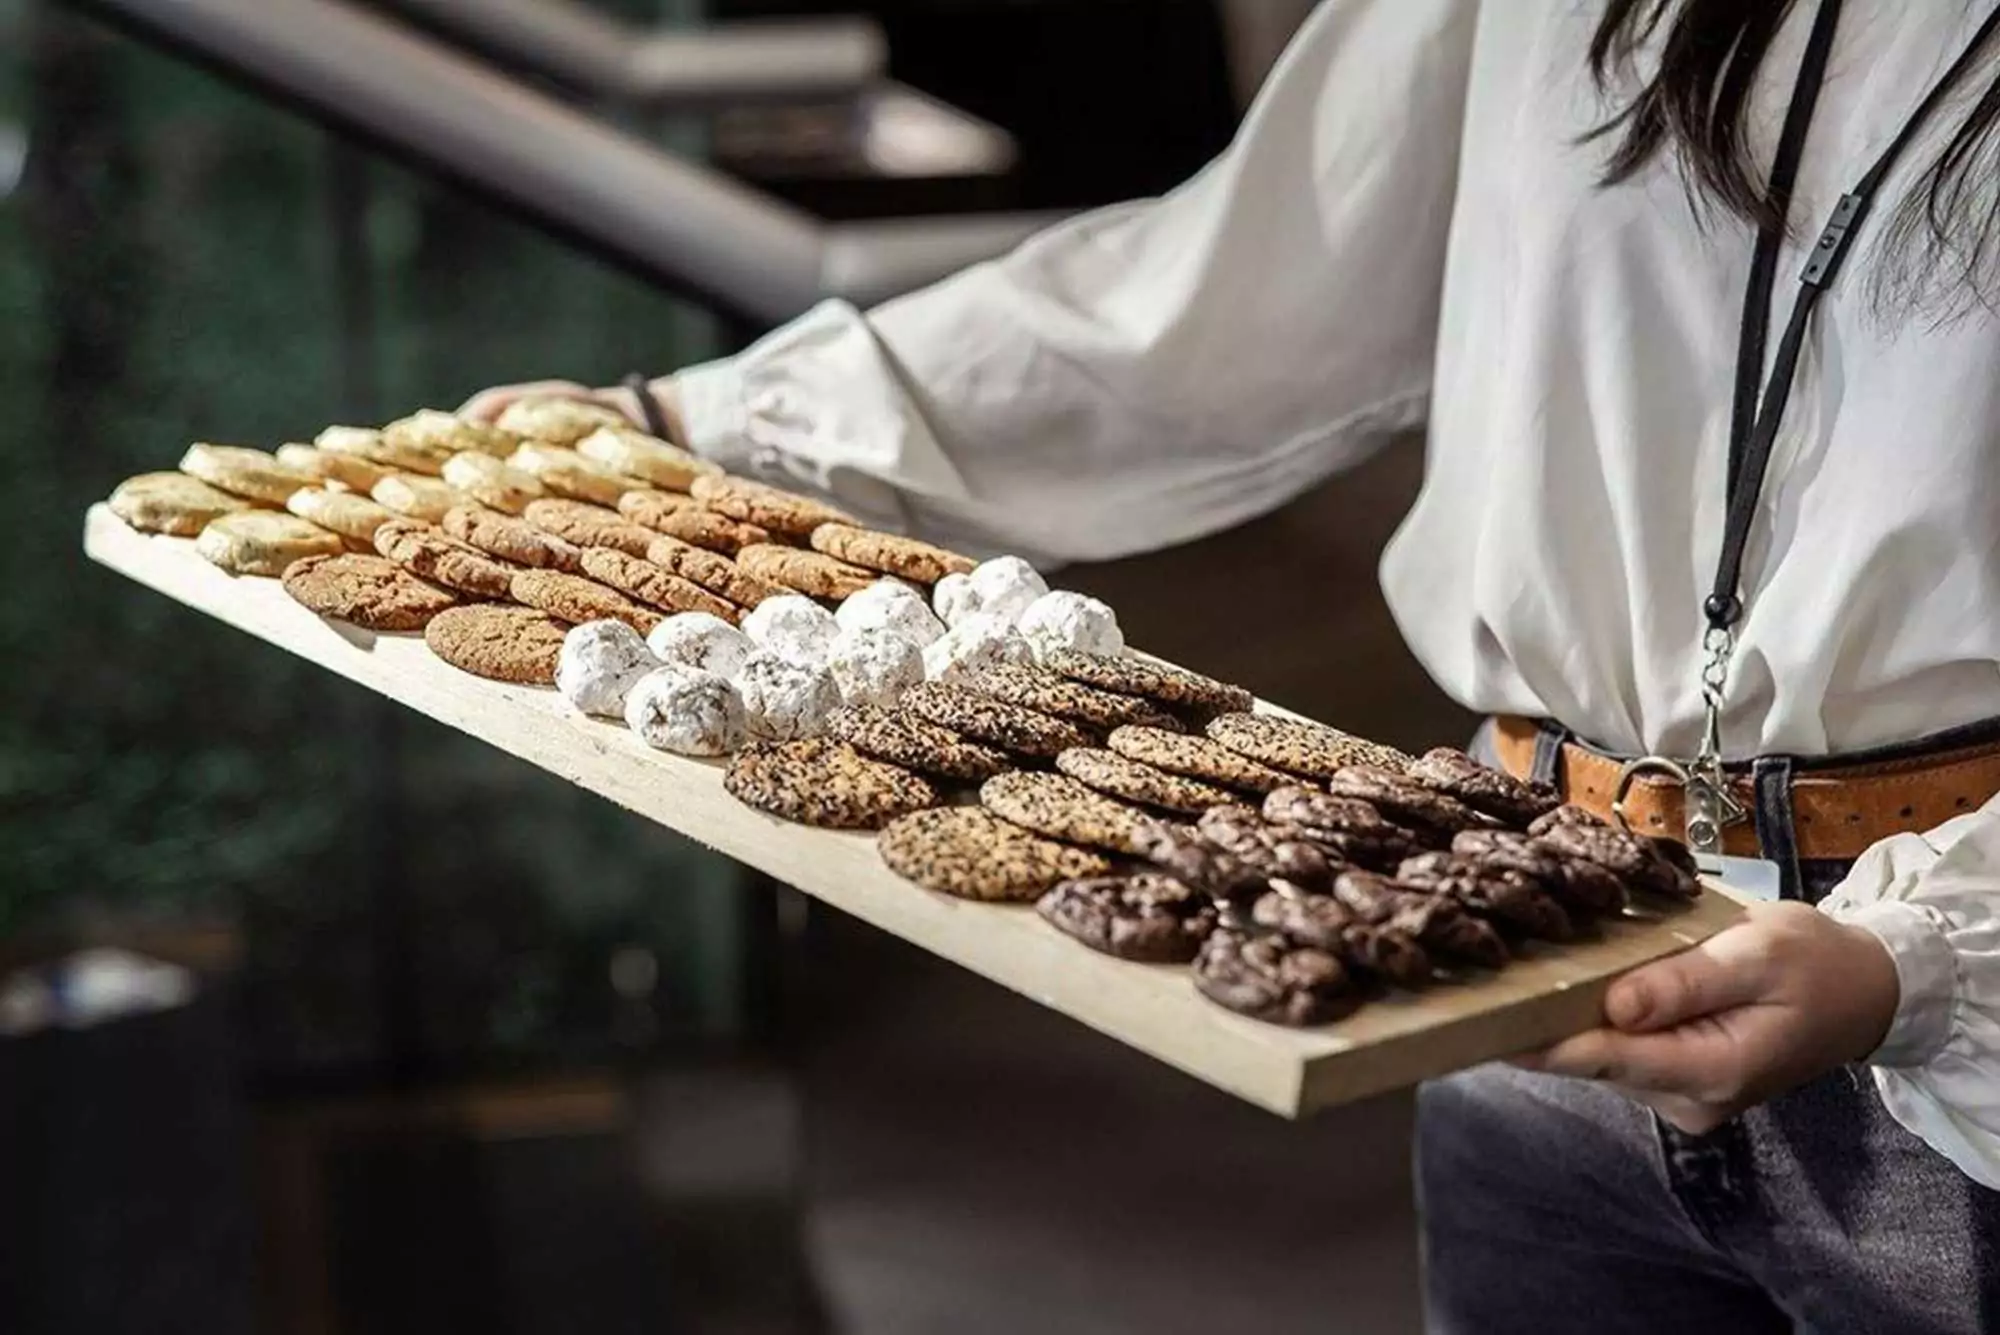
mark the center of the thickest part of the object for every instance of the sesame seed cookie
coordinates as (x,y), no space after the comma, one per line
(1061,808)
(914,744)
(1161,682)
(973,854)
(994,722)
(829,784)
(1053,693)
(1300,746)
(1115,775)
(1196,757)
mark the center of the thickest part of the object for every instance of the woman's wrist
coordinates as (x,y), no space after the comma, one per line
(651,405)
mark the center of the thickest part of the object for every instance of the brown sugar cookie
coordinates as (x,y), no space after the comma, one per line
(366,591)
(1146,916)
(815,573)
(566,473)
(712,570)
(1299,746)
(575,599)
(334,470)
(627,450)
(703,528)
(588,525)
(1196,757)
(994,722)
(972,853)
(652,508)
(650,584)
(171,503)
(889,553)
(433,555)
(494,640)
(1268,977)
(1113,774)
(342,512)
(492,481)
(767,507)
(1061,808)
(914,744)
(1161,682)
(417,497)
(264,542)
(815,781)
(512,539)
(1053,693)
(251,474)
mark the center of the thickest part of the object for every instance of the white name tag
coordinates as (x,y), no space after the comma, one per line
(1751,878)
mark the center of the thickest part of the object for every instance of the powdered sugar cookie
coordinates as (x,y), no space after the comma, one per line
(601,662)
(783,701)
(874,667)
(793,627)
(1065,620)
(685,710)
(981,641)
(891,605)
(700,640)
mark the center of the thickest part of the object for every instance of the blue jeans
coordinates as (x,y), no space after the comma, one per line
(1553,1206)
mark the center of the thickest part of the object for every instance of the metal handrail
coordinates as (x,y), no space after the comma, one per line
(676,223)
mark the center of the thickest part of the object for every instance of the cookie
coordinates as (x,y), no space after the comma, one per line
(1581,887)
(767,507)
(891,605)
(649,584)
(263,542)
(815,573)
(994,722)
(652,508)
(1275,852)
(1405,801)
(492,482)
(512,539)
(351,471)
(1161,682)
(430,434)
(793,627)
(888,553)
(687,711)
(825,783)
(712,570)
(575,599)
(588,525)
(171,503)
(1499,795)
(1145,916)
(1052,693)
(783,701)
(973,854)
(1493,892)
(601,662)
(1005,586)
(1061,808)
(1269,978)
(503,643)
(351,442)
(978,642)
(633,453)
(1301,747)
(1637,860)
(558,420)
(1074,621)
(342,512)
(434,555)
(1322,921)
(874,667)
(692,524)
(1113,774)
(1199,862)
(366,591)
(251,474)
(1577,816)
(702,641)
(1440,925)
(566,473)
(1196,757)
(914,744)
(415,497)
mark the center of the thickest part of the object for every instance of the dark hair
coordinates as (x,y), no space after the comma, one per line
(1939,251)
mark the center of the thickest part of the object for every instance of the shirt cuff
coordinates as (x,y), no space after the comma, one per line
(715,413)
(1926,973)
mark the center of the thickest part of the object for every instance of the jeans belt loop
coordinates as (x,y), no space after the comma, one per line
(1777,835)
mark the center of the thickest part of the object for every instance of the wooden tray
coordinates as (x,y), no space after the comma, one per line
(1388,1044)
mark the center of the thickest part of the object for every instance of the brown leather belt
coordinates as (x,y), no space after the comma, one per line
(1837,811)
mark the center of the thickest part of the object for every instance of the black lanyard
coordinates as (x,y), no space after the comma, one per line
(1755,419)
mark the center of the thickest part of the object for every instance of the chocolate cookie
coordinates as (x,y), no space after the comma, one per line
(1499,795)
(972,853)
(909,741)
(767,507)
(431,554)
(1195,757)
(1405,801)
(712,570)
(1200,862)
(1061,808)
(1109,772)
(504,643)
(888,553)
(1278,852)
(1323,921)
(815,573)
(994,722)
(588,525)
(650,584)
(1494,892)
(575,599)
(171,503)
(1567,816)
(366,591)
(1300,747)
(1579,886)
(1641,862)
(1145,916)
(829,784)
(512,539)
(1156,681)
(1439,924)
(1054,694)
(1269,978)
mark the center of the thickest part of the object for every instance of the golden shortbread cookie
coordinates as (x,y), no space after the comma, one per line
(557,420)
(564,472)
(425,439)
(633,453)
(263,542)
(334,469)
(171,503)
(491,481)
(251,474)
(340,512)
(417,497)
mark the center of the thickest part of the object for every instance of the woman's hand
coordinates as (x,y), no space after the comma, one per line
(1766,1005)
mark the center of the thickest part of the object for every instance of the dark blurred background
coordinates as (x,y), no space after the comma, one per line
(316,1016)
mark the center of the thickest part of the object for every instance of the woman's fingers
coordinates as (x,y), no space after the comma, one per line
(488,404)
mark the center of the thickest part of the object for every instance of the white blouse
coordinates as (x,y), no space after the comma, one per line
(1408,229)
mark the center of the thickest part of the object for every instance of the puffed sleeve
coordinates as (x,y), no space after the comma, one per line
(1154,371)
(1934,901)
